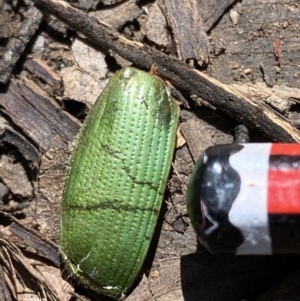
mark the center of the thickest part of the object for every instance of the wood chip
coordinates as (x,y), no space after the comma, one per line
(39,116)
(33,239)
(89,59)
(40,69)
(187,27)
(18,42)
(15,177)
(23,145)
(154,26)
(81,86)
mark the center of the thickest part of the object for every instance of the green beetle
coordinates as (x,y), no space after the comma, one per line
(116,182)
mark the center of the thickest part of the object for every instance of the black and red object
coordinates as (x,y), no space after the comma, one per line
(245,198)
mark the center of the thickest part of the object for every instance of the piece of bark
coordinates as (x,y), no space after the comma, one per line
(28,151)
(154,26)
(81,86)
(9,136)
(38,116)
(18,42)
(241,108)
(185,20)
(47,248)
(14,176)
(42,70)
(86,56)
(211,11)
(278,97)
(67,126)
(85,83)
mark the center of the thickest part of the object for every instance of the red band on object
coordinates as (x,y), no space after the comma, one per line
(291,149)
(284,190)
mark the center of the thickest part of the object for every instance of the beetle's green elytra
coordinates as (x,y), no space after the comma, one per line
(116,182)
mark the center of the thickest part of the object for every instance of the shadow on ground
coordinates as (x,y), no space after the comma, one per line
(209,277)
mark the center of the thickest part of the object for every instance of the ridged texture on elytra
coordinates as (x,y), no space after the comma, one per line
(116,182)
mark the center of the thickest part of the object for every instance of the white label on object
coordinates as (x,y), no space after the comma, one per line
(249,212)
